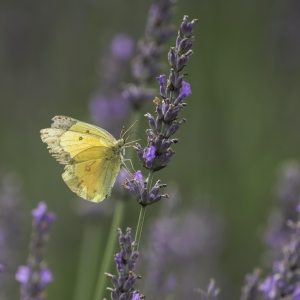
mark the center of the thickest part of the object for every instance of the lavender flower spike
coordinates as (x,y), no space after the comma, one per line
(125,261)
(158,153)
(35,276)
(146,66)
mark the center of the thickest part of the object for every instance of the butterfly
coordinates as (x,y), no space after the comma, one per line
(92,156)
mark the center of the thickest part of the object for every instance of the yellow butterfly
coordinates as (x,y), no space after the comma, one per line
(92,156)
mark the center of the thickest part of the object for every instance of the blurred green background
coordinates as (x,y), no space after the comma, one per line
(243,115)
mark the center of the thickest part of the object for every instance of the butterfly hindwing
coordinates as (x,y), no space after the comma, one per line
(92,179)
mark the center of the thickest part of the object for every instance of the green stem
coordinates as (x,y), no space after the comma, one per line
(90,248)
(140,224)
(139,227)
(110,245)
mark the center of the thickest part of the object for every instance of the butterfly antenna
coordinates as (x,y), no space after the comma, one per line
(129,128)
(131,141)
(123,127)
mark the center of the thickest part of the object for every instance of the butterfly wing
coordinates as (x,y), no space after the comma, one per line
(93,179)
(92,159)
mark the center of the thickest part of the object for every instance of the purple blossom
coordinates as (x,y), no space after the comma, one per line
(122,46)
(1,268)
(23,274)
(45,276)
(34,277)
(185,89)
(161,80)
(138,176)
(149,154)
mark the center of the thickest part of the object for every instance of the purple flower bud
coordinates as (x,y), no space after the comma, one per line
(133,261)
(172,57)
(115,295)
(151,121)
(159,111)
(39,212)
(129,283)
(134,187)
(122,46)
(118,261)
(149,154)
(161,80)
(178,41)
(121,280)
(23,274)
(181,62)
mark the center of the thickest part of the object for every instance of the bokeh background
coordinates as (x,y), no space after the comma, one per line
(243,115)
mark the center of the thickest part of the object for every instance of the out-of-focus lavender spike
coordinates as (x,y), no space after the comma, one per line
(195,235)
(10,232)
(125,261)
(250,289)
(288,192)
(283,281)
(108,101)
(35,276)
(121,46)
(146,66)
(212,292)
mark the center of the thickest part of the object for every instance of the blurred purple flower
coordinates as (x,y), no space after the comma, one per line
(250,290)
(288,191)
(146,65)
(108,111)
(122,46)
(34,277)
(1,268)
(23,274)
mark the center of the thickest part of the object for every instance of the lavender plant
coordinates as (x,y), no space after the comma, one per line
(157,154)
(35,276)
(125,261)
(10,232)
(287,194)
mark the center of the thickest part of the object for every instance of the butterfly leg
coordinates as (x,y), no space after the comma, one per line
(128,159)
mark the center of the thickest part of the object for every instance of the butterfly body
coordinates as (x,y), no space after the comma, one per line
(92,156)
